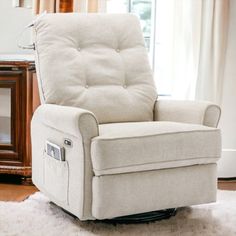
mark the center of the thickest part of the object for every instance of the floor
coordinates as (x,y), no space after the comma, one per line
(227,184)
(14,191)
(11,189)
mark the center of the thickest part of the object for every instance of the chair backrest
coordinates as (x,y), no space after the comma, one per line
(96,62)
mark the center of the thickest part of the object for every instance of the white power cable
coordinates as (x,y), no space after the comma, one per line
(31,46)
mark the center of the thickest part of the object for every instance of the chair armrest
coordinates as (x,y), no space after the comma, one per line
(196,112)
(55,123)
(70,120)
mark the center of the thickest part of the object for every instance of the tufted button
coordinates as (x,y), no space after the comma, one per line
(86,86)
(79,49)
(125,86)
(118,50)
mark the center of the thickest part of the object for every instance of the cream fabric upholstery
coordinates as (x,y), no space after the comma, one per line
(124,194)
(131,147)
(129,153)
(55,123)
(105,63)
(195,112)
(71,120)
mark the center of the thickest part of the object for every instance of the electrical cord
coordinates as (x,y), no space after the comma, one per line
(30,46)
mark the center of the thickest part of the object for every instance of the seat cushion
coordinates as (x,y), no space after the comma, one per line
(141,146)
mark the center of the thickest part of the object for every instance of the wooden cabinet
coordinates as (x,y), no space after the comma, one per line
(18,100)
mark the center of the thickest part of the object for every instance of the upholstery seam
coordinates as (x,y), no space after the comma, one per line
(154,135)
(39,71)
(150,163)
(166,168)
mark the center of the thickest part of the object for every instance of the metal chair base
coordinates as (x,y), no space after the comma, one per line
(143,217)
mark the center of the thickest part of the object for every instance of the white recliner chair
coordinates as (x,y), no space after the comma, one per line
(125,151)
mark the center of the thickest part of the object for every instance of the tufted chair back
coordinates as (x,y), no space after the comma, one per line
(96,62)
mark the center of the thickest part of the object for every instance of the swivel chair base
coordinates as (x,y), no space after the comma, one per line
(143,217)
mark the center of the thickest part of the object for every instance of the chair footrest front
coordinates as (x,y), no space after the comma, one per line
(134,193)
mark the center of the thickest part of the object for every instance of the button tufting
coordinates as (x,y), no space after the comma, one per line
(125,86)
(86,86)
(79,49)
(118,50)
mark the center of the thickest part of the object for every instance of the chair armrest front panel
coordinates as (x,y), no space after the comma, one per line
(196,112)
(55,123)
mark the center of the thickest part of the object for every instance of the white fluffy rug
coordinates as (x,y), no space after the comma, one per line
(36,216)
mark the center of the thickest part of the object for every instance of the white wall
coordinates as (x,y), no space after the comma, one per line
(227,165)
(12,21)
